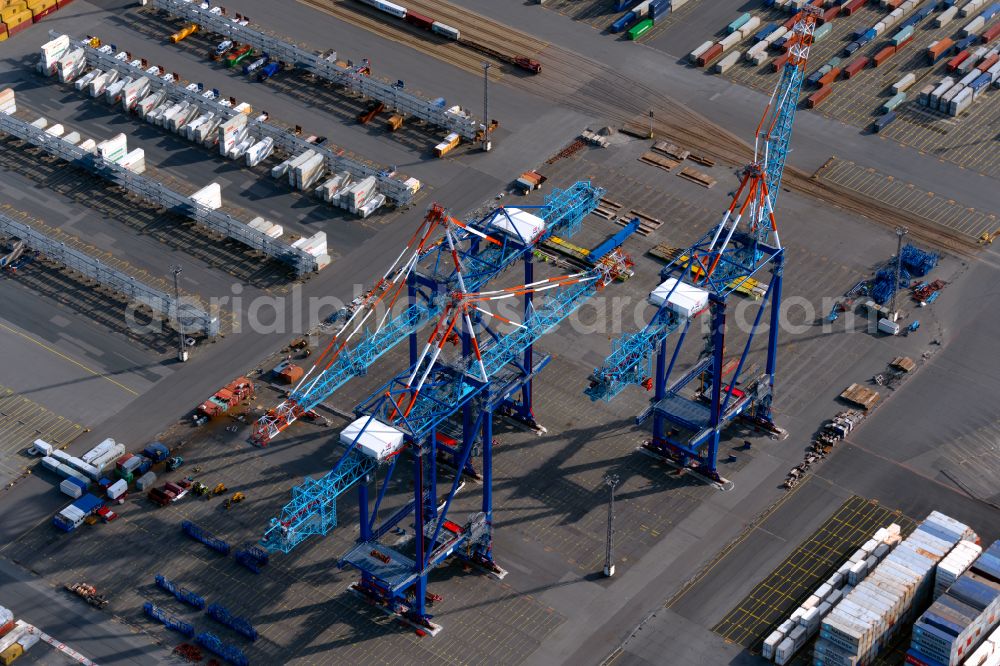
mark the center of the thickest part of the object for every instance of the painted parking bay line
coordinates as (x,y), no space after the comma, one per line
(68,358)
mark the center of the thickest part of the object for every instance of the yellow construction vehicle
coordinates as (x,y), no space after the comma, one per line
(218,489)
(987,237)
(235,499)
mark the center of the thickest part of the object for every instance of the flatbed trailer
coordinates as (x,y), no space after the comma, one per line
(524,62)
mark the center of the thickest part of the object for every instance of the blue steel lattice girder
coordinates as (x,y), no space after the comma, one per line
(563,212)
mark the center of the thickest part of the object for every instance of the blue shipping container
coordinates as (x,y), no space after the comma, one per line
(851,48)
(884,120)
(623,23)
(973,592)
(622,5)
(920,656)
(991,11)
(765,31)
(962,44)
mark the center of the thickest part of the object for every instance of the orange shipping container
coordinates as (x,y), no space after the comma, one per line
(778,63)
(829,77)
(713,51)
(988,62)
(934,52)
(883,55)
(814,100)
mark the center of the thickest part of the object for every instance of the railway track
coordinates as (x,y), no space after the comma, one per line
(384,25)
(575,81)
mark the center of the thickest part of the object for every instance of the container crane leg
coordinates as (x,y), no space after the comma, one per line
(718,348)
(772,343)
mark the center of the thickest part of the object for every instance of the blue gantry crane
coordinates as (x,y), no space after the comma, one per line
(441,409)
(366,337)
(690,411)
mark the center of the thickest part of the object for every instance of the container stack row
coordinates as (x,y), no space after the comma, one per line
(792,634)
(153,103)
(972,75)
(956,563)
(961,618)
(988,652)
(889,596)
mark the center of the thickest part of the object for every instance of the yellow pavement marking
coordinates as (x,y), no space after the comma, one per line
(67,358)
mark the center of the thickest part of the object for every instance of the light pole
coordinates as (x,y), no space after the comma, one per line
(611,480)
(900,232)
(486,107)
(182,354)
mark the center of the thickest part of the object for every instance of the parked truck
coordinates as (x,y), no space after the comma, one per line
(167,494)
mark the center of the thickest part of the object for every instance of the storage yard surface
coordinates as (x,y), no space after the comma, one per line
(702,574)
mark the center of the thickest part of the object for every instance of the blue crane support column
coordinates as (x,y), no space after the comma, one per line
(526,410)
(660,386)
(718,306)
(778,270)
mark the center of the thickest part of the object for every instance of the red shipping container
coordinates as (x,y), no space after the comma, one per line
(831,13)
(817,3)
(814,100)
(13,30)
(856,66)
(778,63)
(905,41)
(991,34)
(883,55)
(790,22)
(957,60)
(829,77)
(713,52)
(853,6)
(418,20)
(988,62)
(893,4)
(42,14)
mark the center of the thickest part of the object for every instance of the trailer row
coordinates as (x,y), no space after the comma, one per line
(207,117)
(202,207)
(324,66)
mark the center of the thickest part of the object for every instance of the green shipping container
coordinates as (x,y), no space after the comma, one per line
(640,29)
(822,31)
(893,102)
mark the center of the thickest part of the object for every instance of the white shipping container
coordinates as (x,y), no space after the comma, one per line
(771,644)
(729,41)
(727,62)
(209,196)
(749,27)
(28,640)
(945,17)
(776,35)
(904,83)
(701,49)
(973,26)
(67,487)
(117,489)
(961,102)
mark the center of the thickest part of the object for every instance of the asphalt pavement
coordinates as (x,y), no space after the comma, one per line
(70,620)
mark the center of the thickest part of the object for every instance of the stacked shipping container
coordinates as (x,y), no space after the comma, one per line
(870,614)
(954,626)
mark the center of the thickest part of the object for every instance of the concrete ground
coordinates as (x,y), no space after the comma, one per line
(550,503)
